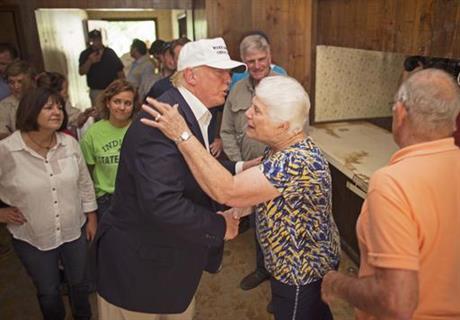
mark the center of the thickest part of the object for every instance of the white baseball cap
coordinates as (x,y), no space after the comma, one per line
(207,52)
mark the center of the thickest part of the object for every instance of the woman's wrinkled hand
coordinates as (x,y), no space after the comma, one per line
(238,213)
(252,163)
(165,118)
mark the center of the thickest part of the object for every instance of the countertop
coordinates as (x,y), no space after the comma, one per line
(357,149)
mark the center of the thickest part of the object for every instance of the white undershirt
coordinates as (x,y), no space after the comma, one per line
(201,113)
(203,116)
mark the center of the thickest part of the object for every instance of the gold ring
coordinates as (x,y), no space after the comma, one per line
(157,118)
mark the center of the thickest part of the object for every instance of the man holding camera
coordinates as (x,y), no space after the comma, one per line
(100,64)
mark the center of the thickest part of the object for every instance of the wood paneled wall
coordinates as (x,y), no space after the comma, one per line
(289,24)
(418,27)
(229,20)
(296,27)
(291,27)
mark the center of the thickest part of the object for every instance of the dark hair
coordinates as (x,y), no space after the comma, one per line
(8,47)
(140,46)
(32,104)
(52,80)
(166,47)
(451,66)
(116,87)
(413,62)
(157,47)
(94,34)
(178,42)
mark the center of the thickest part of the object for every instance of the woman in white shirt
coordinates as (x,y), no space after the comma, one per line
(45,181)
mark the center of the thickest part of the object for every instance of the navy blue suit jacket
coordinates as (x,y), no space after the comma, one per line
(162,230)
(163,85)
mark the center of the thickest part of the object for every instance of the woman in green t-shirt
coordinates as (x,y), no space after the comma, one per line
(101,143)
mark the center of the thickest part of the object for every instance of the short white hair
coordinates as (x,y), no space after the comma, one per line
(432,99)
(286,100)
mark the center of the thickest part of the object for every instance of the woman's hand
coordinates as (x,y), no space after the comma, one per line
(231,224)
(12,215)
(166,118)
(251,163)
(91,225)
(240,212)
(216,147)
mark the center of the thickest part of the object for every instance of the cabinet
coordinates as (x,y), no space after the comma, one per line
(346,206)
(354,150)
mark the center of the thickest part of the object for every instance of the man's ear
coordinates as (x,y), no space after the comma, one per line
(400,113)
(189,76)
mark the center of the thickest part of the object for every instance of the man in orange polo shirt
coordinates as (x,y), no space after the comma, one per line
(409,225)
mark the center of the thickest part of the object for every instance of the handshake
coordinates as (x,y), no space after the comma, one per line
(232,220)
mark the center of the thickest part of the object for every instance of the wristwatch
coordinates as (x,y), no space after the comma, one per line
(184,136)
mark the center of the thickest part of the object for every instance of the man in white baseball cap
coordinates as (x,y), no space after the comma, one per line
(208,52)
(162,230)
(202,69)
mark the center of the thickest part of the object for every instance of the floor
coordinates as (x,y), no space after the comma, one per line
(218,298)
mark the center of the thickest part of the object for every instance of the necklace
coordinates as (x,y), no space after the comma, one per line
(48,147)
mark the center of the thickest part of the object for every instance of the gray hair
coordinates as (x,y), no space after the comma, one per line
(432,100)
(286,100)
(253,42)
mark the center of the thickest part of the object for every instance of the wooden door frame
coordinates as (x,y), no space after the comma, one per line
(18,26)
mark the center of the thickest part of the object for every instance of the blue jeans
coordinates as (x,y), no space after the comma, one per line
(42,267)
(299,303)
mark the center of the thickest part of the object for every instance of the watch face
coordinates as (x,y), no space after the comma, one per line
(185,136)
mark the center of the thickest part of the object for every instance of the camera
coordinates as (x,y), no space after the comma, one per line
(451,66)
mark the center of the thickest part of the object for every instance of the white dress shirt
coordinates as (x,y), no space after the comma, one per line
(53,193)
(203,117)
(201,113)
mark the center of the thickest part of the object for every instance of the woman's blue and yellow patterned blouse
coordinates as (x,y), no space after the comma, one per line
(296,230)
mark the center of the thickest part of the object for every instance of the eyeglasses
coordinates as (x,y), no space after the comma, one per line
(393,103)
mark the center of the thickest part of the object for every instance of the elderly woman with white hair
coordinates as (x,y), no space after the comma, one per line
(291,190)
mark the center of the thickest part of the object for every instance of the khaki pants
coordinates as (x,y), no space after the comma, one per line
(108,311)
